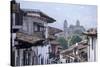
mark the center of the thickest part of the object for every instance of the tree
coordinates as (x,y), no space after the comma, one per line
(63,42)
(74,39)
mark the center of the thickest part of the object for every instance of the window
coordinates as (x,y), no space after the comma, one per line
(18,58)
(92,43)
(25,57)
(35,27)
(41,28)
(42,61)
(38,27)
(18,19)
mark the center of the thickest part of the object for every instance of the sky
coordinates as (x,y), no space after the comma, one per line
(86,14)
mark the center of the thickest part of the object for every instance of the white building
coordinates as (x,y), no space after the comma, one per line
(92,44)
(29,36)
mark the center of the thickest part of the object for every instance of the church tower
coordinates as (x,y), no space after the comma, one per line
(77,23)
(65,28)
(65,25)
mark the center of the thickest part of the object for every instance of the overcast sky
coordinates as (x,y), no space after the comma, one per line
(86,14)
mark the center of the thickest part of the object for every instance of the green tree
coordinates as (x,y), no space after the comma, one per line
(74,39)
(63,42)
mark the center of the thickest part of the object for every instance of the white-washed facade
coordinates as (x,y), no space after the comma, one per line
(25,48)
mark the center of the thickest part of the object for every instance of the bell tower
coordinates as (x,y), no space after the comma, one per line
(77,23)
(65,25)
(65,28)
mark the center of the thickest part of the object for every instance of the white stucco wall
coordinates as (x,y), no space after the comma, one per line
(92,51)
(13,38)
(62,60)
(43,51)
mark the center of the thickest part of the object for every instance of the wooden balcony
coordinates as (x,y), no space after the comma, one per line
(29,38)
